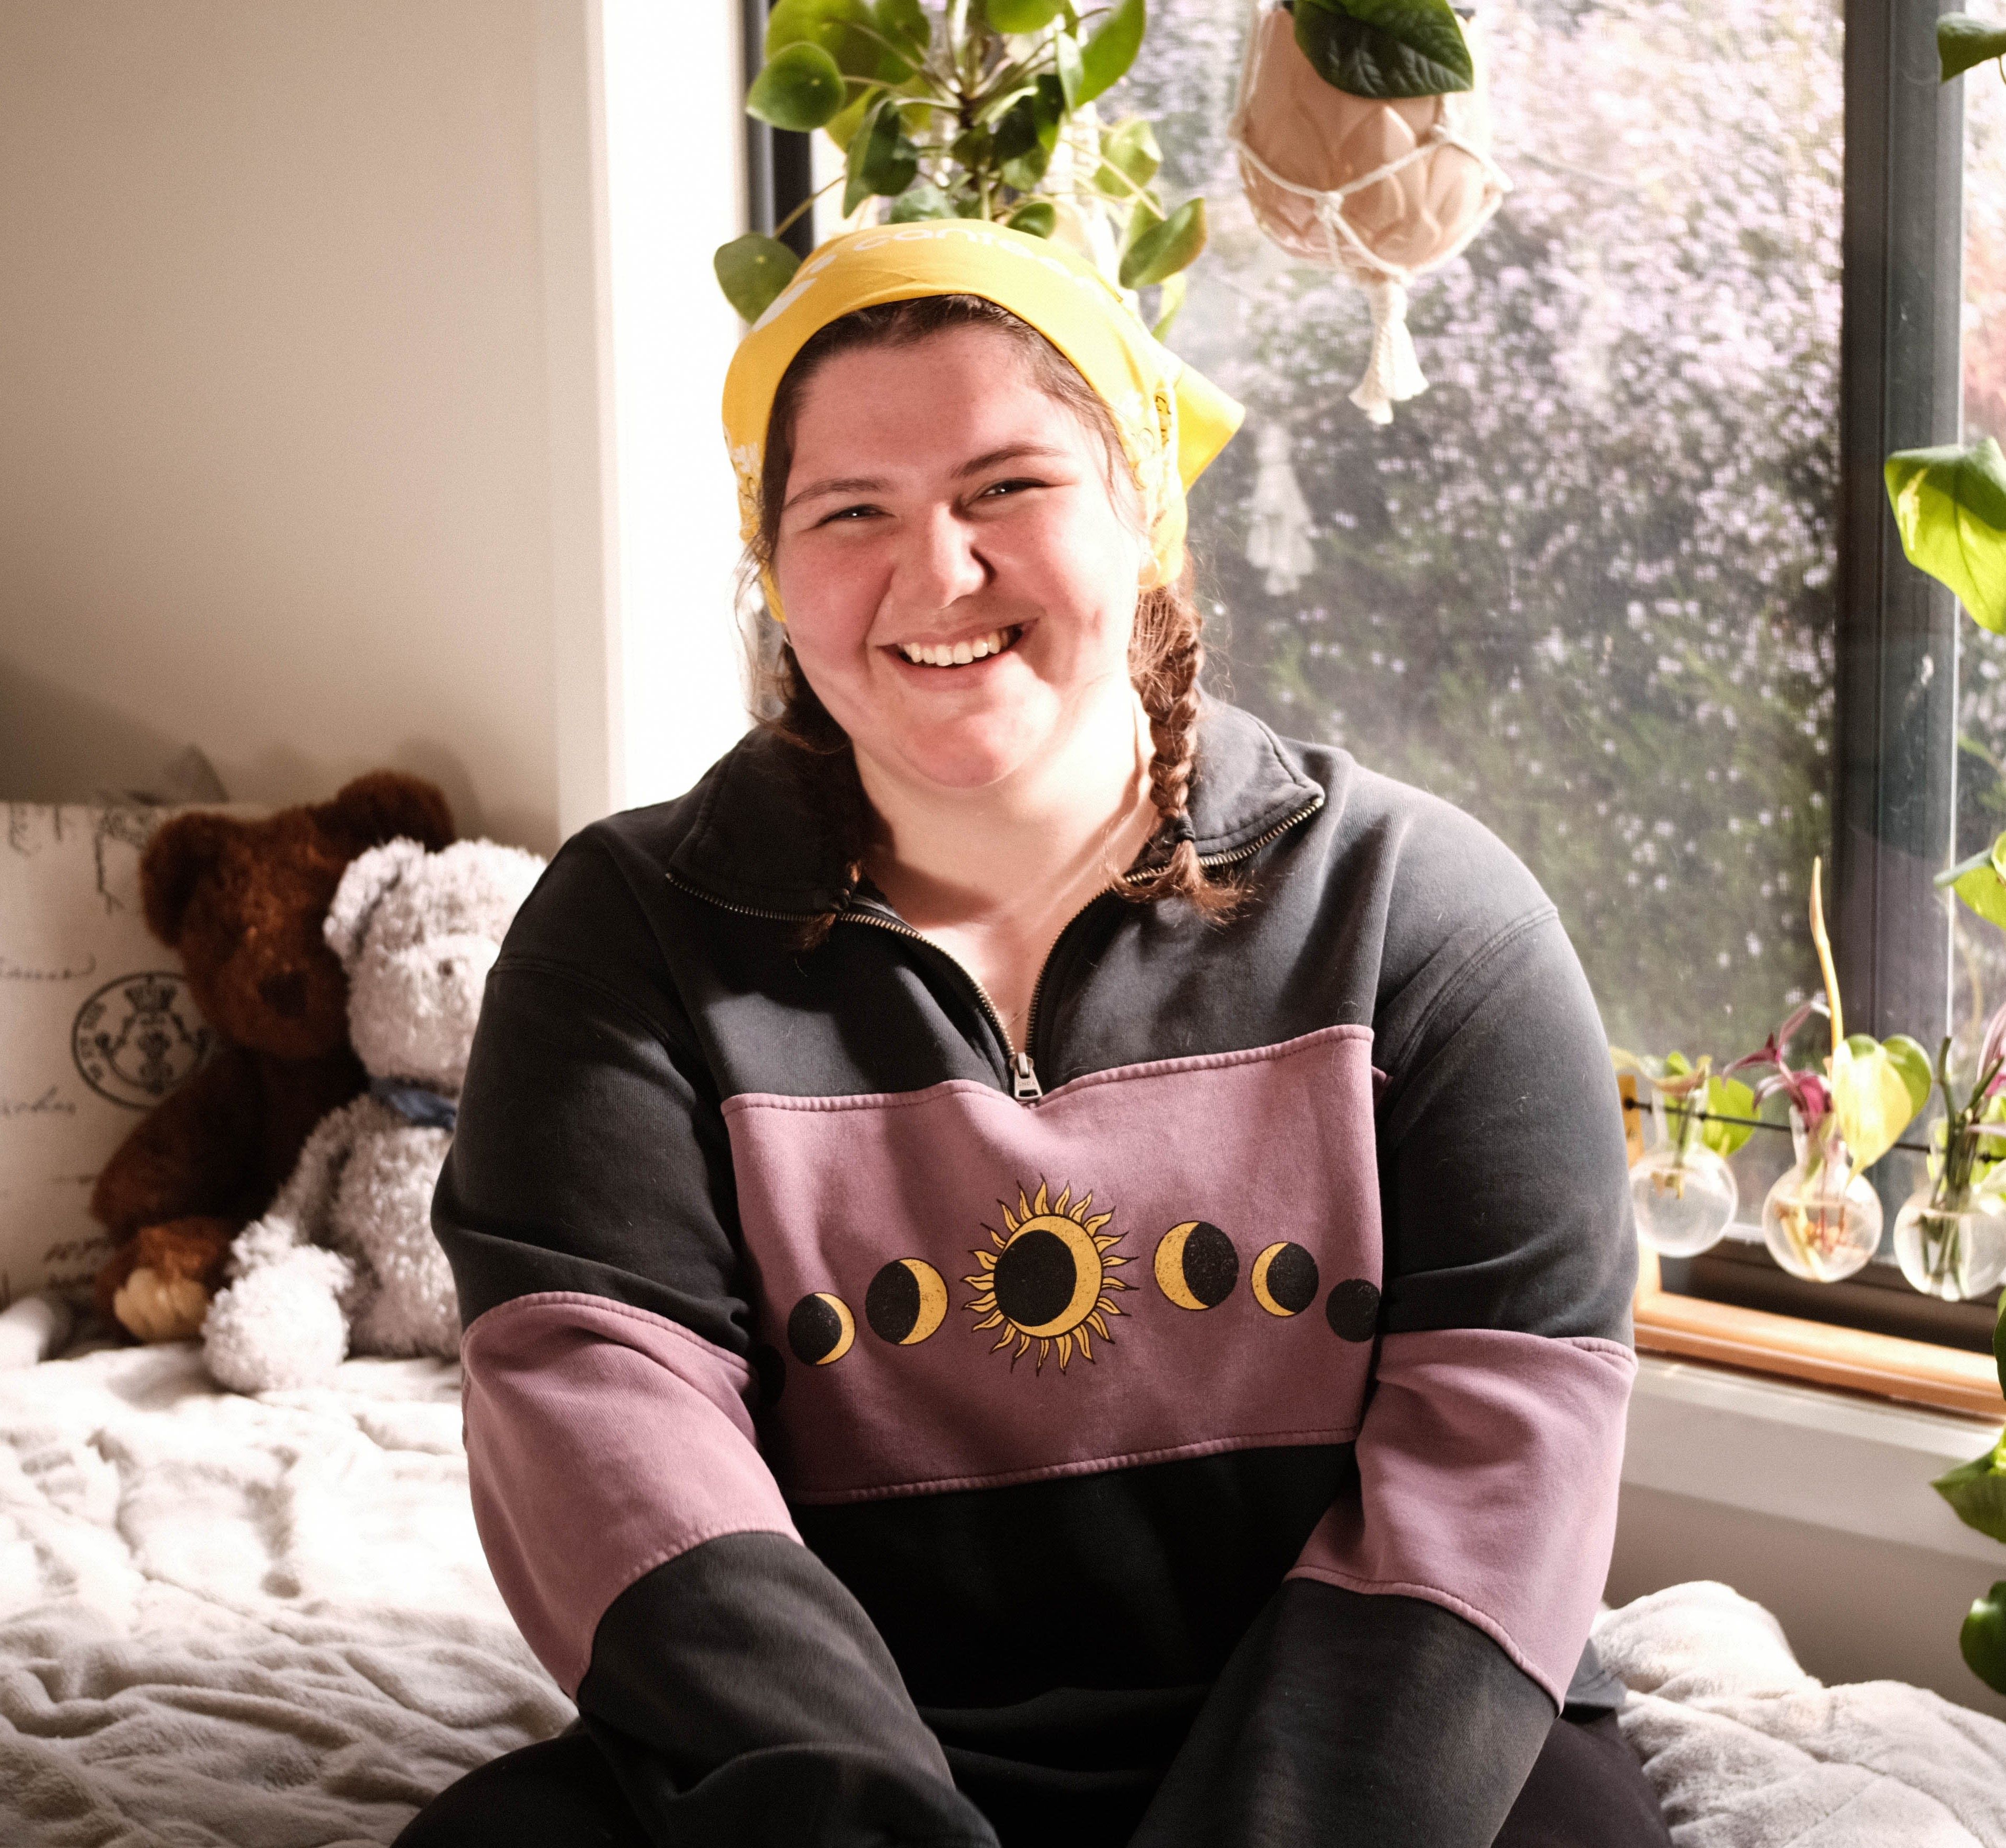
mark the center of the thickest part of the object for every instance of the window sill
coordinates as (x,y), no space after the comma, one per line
(1882,1366)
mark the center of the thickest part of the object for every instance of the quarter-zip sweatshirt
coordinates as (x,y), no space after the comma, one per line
(1199,1426)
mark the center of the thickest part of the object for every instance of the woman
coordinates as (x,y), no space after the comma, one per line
(1039,1263)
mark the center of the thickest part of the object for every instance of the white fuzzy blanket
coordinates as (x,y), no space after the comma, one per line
(238,1623)
(263,1623)
(1747,1751)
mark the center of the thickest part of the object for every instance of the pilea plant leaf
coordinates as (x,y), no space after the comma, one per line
(906,24)
(1039,217)
(1963,42)
(1021,15)
(1385,48)
(1071,71)
(1163,249)
(916,203)
(848,30)
(881,159)
(1104,59)
(1950,506)
(800,88)
(1169,302)
(1129,149)
(752,271)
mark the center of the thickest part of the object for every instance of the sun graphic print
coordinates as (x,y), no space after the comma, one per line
(1047,1280)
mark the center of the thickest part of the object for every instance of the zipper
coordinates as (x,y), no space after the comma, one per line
(1025,1086)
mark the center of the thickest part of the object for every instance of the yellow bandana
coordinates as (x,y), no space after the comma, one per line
(1172,421)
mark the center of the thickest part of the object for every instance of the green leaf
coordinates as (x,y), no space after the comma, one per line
(1727,1097)
(1021,15)
(1911,1065)
(1982,1639)
(1104,59)
(799,88)
(881,159)
(1168,302)
(1384,48)
(916,203)
(1962,41)
(1165,249)
(1130,150)
(1976,1492)
(1038,217)
(1980,881)
(1024,139)
(906,24)
(848,30)
(752,271)
(1950,505)
(1869,1097)
(842,128)
(1071,72)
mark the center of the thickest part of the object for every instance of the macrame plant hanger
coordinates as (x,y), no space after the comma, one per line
(1384,192)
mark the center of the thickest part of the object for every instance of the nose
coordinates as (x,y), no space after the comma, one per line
(937,564)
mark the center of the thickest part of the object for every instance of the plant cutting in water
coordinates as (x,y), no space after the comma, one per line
(1822,1220)
(1682,1192)
(1950,1236)
(977,109)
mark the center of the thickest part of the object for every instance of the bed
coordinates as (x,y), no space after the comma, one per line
(238,1623)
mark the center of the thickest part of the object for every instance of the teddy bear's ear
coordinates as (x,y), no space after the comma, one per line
(180,852)
(369,876)
(385,805)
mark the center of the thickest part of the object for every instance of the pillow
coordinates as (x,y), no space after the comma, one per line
(96,1026)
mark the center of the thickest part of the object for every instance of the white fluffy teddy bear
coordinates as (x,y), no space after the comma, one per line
(344,1259)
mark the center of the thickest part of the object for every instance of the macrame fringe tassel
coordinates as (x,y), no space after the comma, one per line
(1394,374)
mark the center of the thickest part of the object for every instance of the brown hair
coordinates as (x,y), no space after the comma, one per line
(1165,652)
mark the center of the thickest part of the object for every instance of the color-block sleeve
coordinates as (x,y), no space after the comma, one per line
(632,1525)
(1402,1682)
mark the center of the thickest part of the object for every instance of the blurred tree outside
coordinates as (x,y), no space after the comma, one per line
(1583,587)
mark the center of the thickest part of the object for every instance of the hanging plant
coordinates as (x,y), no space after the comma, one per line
(1363,132)
(978,109)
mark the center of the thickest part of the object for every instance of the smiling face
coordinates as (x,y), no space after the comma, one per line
(959,571)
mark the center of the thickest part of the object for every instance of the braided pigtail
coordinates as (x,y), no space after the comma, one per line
(1166,659)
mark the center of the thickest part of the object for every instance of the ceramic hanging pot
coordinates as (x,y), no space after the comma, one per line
(1383,191)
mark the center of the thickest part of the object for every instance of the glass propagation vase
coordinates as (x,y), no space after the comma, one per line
(1822,1220)
(1684,1196)
(1950,1239)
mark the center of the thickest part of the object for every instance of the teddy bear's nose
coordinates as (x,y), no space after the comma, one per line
(285,993)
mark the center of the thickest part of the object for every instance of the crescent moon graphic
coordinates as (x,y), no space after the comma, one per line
(1285,1280)
(1196,1265)
(905,1302)
(821,1329)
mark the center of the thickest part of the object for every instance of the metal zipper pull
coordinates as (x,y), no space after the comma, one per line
(1024,1086)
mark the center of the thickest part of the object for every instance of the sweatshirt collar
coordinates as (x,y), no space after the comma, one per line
(756,844)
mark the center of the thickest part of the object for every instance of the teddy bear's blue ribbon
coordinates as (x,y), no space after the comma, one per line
(417,1104)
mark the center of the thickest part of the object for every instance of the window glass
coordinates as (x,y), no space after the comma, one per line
(1583,587)
(1978,968)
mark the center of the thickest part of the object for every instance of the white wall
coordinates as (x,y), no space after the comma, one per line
(303,398)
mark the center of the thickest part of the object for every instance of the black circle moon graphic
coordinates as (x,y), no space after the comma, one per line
(821,1329)
(1351,1309)
(905,1302)
(1285,1280)
(1196,1265)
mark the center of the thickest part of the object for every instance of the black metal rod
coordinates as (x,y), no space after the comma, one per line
(1717,1116)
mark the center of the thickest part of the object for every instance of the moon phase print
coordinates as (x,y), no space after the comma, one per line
(1197,1266)
(821,1330)
(1047,1282)
(1284,1282)
(906,1302)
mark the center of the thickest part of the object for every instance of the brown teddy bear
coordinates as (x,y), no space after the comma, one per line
(244,902)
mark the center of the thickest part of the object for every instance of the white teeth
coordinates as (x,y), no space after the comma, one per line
(925,654)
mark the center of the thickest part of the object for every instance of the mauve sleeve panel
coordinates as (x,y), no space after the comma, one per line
(1488,1465)
(601,1441)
